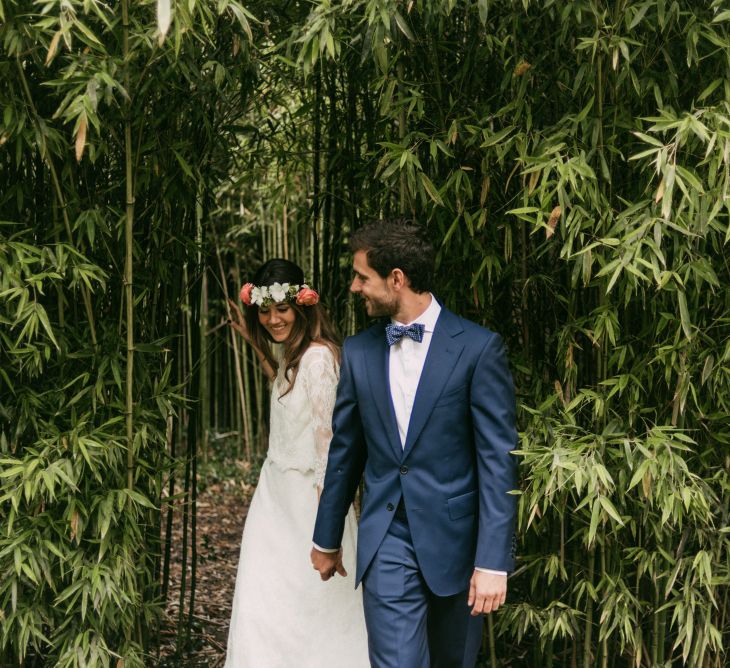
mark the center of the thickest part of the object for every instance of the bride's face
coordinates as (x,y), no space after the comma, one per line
(278,320)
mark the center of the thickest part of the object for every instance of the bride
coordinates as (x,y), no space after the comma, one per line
(283,615)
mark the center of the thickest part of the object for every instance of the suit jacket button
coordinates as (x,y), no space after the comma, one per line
(403,470)
(390,506)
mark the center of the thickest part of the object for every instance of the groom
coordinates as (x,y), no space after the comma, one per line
(426,412)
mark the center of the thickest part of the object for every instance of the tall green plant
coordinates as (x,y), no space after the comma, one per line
(115,119)
(571,161)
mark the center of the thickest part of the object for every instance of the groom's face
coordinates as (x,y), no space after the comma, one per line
(375,291)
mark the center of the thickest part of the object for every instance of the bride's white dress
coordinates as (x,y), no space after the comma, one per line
(283,614)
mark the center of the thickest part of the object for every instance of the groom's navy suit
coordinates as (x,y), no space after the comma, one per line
(452,476)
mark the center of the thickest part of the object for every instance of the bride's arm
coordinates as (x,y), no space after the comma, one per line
(320,377)
(238,324)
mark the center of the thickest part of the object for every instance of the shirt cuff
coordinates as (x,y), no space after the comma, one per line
(487,570)
(328,550)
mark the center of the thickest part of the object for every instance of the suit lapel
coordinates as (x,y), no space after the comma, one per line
(442,356)
(378,375)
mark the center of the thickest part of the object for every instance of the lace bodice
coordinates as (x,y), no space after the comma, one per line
(301,421)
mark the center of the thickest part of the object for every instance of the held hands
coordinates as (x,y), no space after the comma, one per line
(486,592)
(327,563)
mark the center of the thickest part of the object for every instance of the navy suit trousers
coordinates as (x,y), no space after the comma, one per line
(408,625)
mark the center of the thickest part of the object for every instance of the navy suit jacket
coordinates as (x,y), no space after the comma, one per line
(455,471)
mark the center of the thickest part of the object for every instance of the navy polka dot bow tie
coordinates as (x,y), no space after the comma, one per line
(395,333)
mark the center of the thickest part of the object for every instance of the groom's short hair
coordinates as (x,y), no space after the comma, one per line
(398,243)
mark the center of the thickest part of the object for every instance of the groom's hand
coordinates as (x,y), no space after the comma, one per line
(327,563)
(487,592)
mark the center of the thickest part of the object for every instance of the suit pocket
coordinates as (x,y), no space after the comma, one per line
(462,505)
(452,396)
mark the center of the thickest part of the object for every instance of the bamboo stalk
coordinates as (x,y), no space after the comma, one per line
(170,437)
(587,647)
(285,222)
(246,384)
(129,252)
(236,359)
(128,267)
(401,136)
(196,343)
(203,329)
(183,633)
(604,641)
(492,642)
(259,384)
(316,177)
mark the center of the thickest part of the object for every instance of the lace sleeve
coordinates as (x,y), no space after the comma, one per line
(320,378)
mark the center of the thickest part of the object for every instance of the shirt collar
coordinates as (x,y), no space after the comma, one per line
(428,318)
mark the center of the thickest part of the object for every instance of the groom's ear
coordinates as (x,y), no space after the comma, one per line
(398,279)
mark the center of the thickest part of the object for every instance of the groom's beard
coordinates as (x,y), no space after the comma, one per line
(381,307)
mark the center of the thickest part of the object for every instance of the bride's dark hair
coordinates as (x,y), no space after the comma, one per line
(311,325)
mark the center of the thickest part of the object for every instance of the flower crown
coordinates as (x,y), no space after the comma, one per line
(265,295)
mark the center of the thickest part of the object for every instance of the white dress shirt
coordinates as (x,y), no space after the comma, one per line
(405,366)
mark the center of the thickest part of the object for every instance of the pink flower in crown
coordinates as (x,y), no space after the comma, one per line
(307,297)
(245,293)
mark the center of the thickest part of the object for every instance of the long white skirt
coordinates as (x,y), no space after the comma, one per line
(283,615)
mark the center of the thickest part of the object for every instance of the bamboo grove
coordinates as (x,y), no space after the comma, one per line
(572,160)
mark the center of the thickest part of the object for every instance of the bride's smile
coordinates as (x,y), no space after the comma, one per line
(278,320)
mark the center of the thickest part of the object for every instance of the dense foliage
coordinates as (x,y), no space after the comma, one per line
(572,160)
(573,163)
(113,141)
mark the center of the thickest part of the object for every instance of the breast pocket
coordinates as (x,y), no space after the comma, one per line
(462,505)
(454,395)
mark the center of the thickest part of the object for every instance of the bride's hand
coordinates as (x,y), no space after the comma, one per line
(238,322)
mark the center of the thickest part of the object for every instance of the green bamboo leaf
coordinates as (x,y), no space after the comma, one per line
(722,16)
(639,474)
(610,509)
(430,189)
(710,89)
(684,314)
(648,139)
(12,471)
(164,16)
(140,499)
(90,38)
(243,16)
(523,210)
(614,277)
(492,139)
(330,42)
(707,368)
(483,11)
(595,517)
(639,14)
(29,572)
(403,26)
(184,165)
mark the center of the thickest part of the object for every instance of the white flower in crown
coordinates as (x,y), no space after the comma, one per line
(278,292)
(258,296)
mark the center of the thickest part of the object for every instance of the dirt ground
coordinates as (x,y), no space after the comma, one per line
(222,507)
